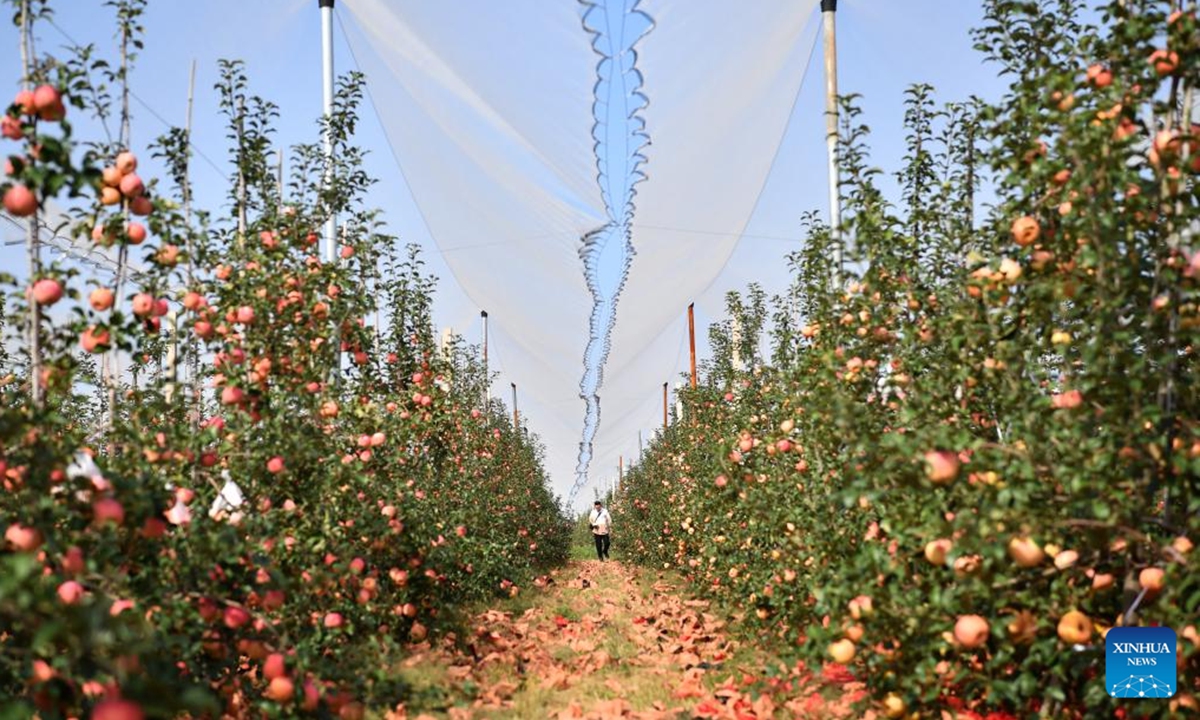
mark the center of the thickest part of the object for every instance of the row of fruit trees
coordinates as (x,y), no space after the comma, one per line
(224,490)
(956,473)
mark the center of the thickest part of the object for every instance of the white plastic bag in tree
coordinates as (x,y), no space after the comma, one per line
(228,500)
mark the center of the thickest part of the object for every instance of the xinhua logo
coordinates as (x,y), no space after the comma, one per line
(1139,662)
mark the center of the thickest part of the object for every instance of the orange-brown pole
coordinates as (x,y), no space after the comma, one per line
(692,339)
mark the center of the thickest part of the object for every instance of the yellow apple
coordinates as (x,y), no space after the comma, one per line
(842,651)
(1025,552)
(1075,628)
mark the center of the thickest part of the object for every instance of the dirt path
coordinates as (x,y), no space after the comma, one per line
(606,640)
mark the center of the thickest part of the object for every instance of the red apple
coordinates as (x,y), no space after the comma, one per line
(280,689)
(194,301)
(94,339)
(73,561)
(1099,76)
(23,538)
(20,201)
(47,100)
(971,631)
(126,163)
(143,304)
(235,617)
(70,592)
(1026,230)
(101,299)
(47,291)
(275,666)
(118,710)
(1151,579)
(1165,62)
(136,233)
(25,102)
(941,466)
(10,128)
(132,186)
(107,510)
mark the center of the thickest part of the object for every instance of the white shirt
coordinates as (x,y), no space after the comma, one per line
(601,519)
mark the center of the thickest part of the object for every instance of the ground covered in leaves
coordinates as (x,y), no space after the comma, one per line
(607,640)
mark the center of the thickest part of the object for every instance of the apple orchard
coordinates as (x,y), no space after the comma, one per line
(954,474)
(255,527)
(226,493)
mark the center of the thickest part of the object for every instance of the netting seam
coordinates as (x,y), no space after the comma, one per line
(617,63)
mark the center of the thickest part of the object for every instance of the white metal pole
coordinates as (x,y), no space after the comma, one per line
(326,7)
(829,13)
(487,378)
(172,324)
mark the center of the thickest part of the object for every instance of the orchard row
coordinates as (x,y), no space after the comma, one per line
(954,473)
(224,491)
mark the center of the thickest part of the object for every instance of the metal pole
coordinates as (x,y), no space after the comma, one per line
(620,469)
(172,357)
(829,12)
(487,379)
(241,193)
(692,339)
(32,241)
(193,351)
(664,407)
(326,7)
(639,445)
(516,417)
(279,177)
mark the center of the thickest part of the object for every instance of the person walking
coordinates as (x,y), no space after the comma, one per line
(601,523)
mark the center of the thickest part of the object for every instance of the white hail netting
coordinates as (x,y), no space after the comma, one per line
(489,108)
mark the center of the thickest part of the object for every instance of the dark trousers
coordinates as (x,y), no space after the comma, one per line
(602,544)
